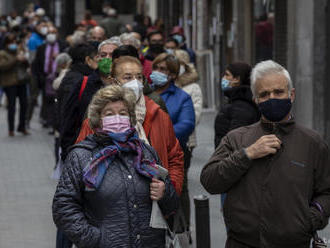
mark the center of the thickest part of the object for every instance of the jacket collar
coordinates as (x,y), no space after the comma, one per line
(170,90)
(275,127)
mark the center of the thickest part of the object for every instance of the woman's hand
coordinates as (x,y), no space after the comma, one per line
(157,189)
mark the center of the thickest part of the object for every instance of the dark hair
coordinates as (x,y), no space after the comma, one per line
(172,40)
(80,52)
(88,15)
(241,70)
(125,50)
(153,33)
(9,38)
(139,18)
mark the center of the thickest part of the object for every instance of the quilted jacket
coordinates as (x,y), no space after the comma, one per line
(117,214)
(159,130)
(181,110)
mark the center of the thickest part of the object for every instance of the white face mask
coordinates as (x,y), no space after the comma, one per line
(182,70)
(51,38)
(136,86)
(44,30)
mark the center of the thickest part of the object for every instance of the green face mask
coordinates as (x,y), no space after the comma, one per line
(104,66)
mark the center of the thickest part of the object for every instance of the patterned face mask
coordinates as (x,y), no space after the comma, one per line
(116,123)
(104,66)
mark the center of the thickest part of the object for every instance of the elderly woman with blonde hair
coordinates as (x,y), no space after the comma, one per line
(104,197)
(187,80)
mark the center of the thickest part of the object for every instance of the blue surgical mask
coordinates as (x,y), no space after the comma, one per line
(169,51)
(225,84)
(158,79)
(12,47)
(274,109)
(178,38)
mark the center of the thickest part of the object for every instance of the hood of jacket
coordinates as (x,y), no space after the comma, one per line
(242,92)
(188,77)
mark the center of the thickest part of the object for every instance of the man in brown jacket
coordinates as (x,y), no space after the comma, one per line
(276,173)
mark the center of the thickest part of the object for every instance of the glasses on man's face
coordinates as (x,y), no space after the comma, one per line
(160,68)
(129,77)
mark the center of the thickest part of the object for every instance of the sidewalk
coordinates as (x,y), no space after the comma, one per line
(26,163)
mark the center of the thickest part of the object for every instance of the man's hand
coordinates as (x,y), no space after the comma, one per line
(157,189)
(265,145)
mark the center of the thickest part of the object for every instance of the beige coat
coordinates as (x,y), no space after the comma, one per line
(188,82)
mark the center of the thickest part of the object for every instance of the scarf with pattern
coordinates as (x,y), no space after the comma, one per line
(125,142)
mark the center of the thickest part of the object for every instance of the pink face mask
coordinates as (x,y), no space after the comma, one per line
(116,123)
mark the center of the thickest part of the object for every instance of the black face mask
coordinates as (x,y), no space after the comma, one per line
(156,48)
(274,109)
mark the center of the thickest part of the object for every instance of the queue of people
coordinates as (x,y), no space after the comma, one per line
(123,103)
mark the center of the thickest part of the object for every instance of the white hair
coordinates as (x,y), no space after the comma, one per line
(129,39)
(267,67)
(63,58)
(78,37)
(114,40)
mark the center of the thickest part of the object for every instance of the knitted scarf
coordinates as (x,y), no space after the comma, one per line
(126,142)
(140,112)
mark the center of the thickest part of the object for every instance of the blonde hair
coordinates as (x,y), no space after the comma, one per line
(111,93)
(182,55)
(122,60)
(172,62)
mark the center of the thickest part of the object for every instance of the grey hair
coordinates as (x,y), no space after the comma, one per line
(63,58)
(111,93)
(78,37)
(267,67)
(129,39)
(114,40)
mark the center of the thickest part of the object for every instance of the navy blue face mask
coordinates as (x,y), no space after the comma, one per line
(274,109)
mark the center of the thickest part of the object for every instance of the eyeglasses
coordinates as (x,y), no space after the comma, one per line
(160,68)
(129,77)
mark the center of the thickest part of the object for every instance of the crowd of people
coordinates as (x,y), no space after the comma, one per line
(107,86)
(123,103)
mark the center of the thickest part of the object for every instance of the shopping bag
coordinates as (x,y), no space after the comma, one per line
(179,236)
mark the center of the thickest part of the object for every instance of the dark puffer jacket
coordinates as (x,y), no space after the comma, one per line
(67,96)
(118,213)
(239,111)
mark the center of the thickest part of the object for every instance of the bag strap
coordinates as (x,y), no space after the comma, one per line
(83,86)
(318,242)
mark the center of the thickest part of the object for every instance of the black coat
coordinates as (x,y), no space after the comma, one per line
(118,213)
(38,63)
(239,111)
(70,113)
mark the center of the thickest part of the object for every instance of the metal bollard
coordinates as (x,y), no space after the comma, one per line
(202,217)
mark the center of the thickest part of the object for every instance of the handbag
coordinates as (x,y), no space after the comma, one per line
(179,236)
(318,242)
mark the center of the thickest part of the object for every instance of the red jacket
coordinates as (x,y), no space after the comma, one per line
(160,133)
(147,67)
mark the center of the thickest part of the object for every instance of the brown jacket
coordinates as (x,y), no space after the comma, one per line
(8,69)
(269,200)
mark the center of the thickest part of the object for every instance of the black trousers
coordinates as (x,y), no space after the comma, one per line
(185,199)
(12,92)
